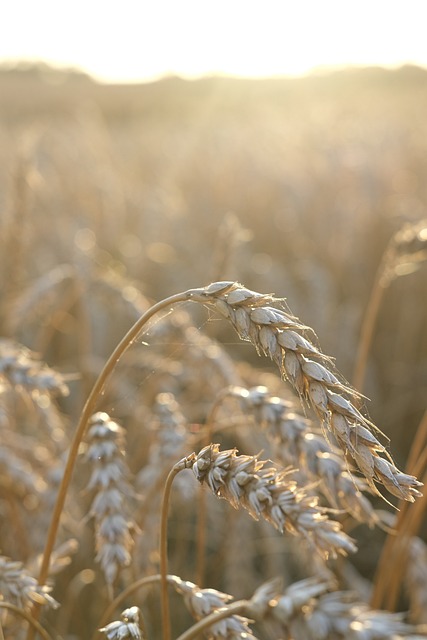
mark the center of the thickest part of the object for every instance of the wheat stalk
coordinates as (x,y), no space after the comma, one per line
(416,580)
(404,254)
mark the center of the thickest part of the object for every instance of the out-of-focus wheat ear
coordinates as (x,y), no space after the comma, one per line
(121,292)
(18,587)
(113,526)
(38,299)
(230,235)
(20,368)
(404,254)
(266,492)
(128,627)
(308,611)
(267,327)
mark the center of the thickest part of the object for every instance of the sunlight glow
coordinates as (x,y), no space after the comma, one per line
(135,40)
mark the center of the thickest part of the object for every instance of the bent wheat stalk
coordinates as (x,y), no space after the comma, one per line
(88,410)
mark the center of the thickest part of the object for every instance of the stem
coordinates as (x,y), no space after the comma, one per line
(386,569)
(185,463)
(36,626)
(369,319)
(419,444)
(235,608)
(88,410)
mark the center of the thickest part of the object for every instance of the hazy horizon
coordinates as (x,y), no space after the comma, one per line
(145,41)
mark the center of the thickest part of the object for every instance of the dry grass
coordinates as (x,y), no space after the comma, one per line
(112,406)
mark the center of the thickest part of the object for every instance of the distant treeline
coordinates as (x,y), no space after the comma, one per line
(28,90)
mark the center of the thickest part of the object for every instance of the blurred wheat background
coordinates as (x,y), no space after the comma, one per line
(116,196)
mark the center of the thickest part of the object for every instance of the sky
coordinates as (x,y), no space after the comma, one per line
(136,40)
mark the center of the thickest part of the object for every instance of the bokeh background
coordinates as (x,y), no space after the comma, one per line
(164,149)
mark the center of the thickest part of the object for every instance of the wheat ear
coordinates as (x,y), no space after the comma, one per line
(283,338)
(257,486)
(113,527)
(308,611)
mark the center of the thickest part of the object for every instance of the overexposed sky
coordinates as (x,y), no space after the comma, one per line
(134,40)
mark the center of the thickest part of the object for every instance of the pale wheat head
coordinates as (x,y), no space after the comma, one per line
(281,336)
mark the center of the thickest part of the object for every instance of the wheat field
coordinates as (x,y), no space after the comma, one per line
(213,357)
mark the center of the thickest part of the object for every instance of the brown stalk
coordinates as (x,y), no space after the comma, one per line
(34,624)
(235,608)
(369,320)
(88,410)
(388,577)
(185,463)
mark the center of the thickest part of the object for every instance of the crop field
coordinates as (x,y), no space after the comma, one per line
(213,357)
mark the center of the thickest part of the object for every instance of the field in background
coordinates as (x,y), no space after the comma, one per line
(319,173)
(288,186)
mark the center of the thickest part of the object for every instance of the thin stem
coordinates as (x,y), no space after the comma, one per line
(419,444)
(235,608)
(386,568)
(412,525)
(34,624)
(201,537)
(163,550)
(369,320)
(88,410)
